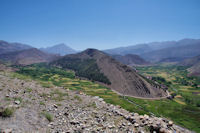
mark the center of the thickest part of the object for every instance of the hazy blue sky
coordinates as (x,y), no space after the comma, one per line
(98,24)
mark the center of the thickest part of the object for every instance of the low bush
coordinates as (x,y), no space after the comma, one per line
(48,116)
(7,112)
(77,98)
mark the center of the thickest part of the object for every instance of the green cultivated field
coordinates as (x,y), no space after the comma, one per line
(184,109)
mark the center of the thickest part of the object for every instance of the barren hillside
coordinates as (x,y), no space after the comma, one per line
(117,76)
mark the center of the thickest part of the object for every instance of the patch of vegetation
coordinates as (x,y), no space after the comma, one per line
(18,99)
(184,108)
(48,116)
(29,90)
(33,99)
(59,104)
(44,95)
(36,70)
(181,114)
(87,68)
(58,95)
(46,84)
(20,76)
(93,105)
(7,112)
(7,99)
(77,98)
(161,80)
(42,103)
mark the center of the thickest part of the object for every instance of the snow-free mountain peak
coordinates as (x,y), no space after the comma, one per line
(61,49)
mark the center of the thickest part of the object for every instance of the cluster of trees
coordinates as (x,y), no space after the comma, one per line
(36,70)
(87,68)
(161,80)
(182,81)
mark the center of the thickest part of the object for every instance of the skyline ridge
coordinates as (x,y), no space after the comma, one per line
(130,45)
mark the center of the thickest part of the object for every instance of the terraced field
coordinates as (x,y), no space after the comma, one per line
(185,89)
(183,109)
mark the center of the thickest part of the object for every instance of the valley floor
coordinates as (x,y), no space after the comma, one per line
(184,107)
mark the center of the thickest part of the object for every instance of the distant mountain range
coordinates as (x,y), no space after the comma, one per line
(98,66)
(61,49)
(140,49)
(27,57)
(180,51)
(106,68)
(169,51)
(6,47)
(22,54)
(161,51)
(91,64)
(131,60)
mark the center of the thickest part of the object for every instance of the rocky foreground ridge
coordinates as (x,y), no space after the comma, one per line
(59,110)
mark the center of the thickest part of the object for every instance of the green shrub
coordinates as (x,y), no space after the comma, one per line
(48,116)
(18,99)
(7,99)
(59,104)
(29,90)
(58,95)
(92,105)
(42,103)
(7,112)
(77,98)
(46,84)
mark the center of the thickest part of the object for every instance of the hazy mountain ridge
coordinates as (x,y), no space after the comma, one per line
(123,78)
(61,49)
(181,51)
(136,49)
(190,61)
(6,47)
(195,70)
(141,48)
(131,59)
(193,64)
(158,51)
(27,57)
